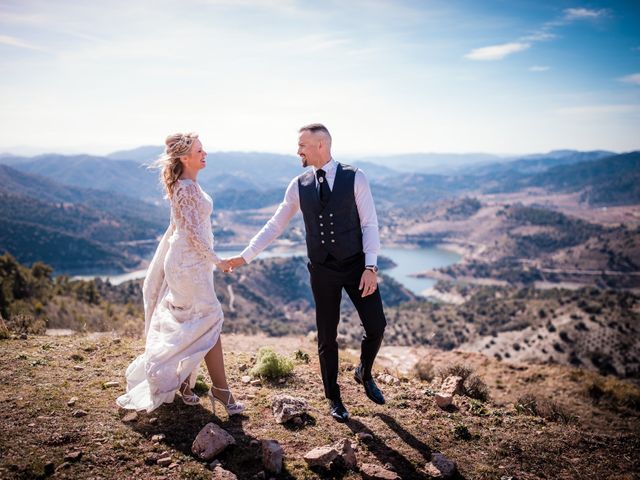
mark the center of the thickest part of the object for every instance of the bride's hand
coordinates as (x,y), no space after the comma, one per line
(225,266)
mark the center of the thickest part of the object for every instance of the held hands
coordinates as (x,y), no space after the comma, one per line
(368,283)
(229,264)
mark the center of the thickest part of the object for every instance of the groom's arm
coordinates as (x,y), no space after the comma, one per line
(276,225)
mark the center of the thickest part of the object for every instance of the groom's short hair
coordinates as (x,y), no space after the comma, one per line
(315,128)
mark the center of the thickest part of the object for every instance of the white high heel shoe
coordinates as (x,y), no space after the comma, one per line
(231,408)
(188,399)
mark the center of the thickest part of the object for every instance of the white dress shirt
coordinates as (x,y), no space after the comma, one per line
(291,204)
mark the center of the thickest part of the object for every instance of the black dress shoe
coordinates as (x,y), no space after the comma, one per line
(338,412)
(370,387)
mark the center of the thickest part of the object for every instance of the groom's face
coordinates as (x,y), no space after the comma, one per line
(308,148)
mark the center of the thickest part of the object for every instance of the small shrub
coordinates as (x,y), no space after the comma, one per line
(271,365)
(457,370)
(4,331)
(475,387)
(200,388)
(614,394)
(534,406)
(301,356)
(424,370)
(461,432)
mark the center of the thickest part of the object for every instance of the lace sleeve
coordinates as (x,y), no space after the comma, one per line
(188,219)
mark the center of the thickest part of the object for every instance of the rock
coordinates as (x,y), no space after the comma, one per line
(164,461)
(388,379)
(254,443)
(73,456)
(272,456)
(130,417)
(375,472)
(341,451)
(116,340)
(282,381)
(245,379)
(440,466)
(345,449)
(243,367)
(174,465)
(153,420)
(110,384)
(72,401)
(79,413)
(158,438)
(364,436)
(220,473)
(321,456)
(151,459)
(62,466)
(78,367)
(49,468)
(210,441)
(286,407)
(256,383)
(23,336)
(449,388)
(214,464)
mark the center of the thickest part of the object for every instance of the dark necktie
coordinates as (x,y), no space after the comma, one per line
(325,191)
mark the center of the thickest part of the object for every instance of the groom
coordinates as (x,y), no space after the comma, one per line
(342,244)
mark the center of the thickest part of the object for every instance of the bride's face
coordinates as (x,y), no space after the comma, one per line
(195,159)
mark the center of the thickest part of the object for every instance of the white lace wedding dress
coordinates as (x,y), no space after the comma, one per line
(183,316)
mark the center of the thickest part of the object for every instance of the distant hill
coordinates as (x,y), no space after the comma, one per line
(72,228)
(613,180)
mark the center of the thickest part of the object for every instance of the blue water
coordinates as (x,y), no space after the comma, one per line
(408,260)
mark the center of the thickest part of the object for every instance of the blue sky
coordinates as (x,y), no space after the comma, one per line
(384,76)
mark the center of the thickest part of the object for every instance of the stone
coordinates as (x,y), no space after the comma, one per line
(174,465)
(256,383)
(254,443)
(272,456)
(370,471)
(364,436)
(440,466)
(158,438)
(110,384)
(153,420)
(220,473)
(116,340)
(214,464)
(345,449)
(286,407)
(450,386)
(388,379)
(23,336)
(282,381)
(151,459)
(164,461)
(321,456)
(243,367)
(130,417)
(245,379)
(63,465)
(78,367)
(72,401)
(73,456)
(79,413)
(210,441)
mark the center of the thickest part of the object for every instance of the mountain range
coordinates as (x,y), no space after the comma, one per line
(49,193)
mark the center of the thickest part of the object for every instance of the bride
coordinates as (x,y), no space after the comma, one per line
(183,317)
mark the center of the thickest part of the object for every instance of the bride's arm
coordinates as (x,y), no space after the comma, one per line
(188,219)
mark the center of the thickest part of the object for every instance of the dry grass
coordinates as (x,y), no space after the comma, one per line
(488,440)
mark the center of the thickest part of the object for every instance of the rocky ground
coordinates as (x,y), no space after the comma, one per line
(58,417)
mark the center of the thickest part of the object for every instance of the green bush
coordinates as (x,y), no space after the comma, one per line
(271,365)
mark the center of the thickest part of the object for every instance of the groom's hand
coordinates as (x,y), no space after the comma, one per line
(235,262)
(368,283)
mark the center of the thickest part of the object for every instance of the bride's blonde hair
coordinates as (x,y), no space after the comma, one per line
(176,145)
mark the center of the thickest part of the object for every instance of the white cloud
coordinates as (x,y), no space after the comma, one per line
(539,68)
(583,13)
(496,52)
(540,36)
(600,109)
(633,78)
(16,42)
